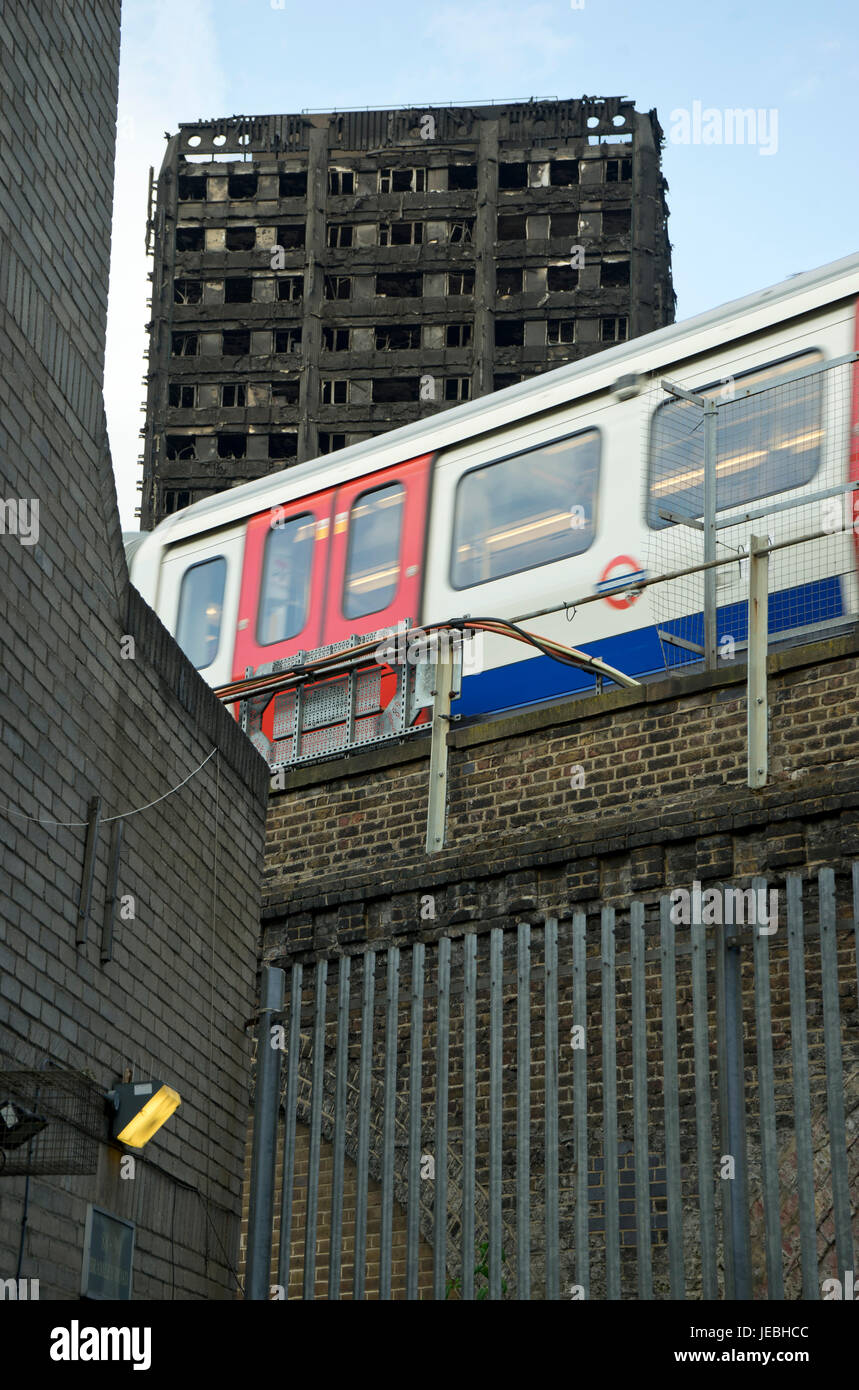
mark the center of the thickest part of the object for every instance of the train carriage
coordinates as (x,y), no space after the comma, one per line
(548,490)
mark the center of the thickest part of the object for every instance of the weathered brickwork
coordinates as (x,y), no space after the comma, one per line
(664,803)
(85,713)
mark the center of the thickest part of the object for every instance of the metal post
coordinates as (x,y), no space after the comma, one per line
(740,1285)
(261,1204)
(438,752)
(757,667)
(711,420)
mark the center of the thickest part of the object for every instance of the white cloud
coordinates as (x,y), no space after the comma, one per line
(169,72)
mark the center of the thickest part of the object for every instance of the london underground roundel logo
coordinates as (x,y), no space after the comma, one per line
(619,571)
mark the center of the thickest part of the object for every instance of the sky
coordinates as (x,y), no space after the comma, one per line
(742,216)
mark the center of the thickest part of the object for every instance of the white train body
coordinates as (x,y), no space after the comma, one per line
(456,540)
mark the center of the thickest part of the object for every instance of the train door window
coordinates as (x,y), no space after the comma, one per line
(285,586)
(373,559)
(526,510)
(201,602)
(766,443)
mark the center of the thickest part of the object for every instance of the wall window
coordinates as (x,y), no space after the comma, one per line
(341,181)
(232,446)
(334,391)
(460,282)
(185,345)
(283,445)
(401,233)
(461,231)
(238,289)
(512,175)
(240,238)
(563,173)
(329,443)
(335,339)
(233,394)
(190,239)
(461,176)
(614,273)
(512,226)
(235,342)
(765,444)
(180,446)
(618,170)
(614,330)
(509,332)
(175,499)
(291,237)
(187,291)
(398,337)
(616,222)
(201,603)
(293,183)
(181,397)
(457,388)
(560,331)
(287,339)
(404,284)
(286,392)
(339,234)
(402,180)
(509,280)
(338,287)
(373,559)
(560,279)
(242,186)
(526,510)
(285,585)
(458,335)
(290,288)
(192,188)
(391,390)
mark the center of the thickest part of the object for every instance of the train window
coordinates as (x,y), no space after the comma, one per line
(526,510)
(201,602)
(285,587)
(765,444)
(373,561)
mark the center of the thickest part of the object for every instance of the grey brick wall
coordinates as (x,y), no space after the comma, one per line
(78,719)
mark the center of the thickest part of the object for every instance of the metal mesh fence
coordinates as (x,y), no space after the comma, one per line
(50,1123)
(776,450)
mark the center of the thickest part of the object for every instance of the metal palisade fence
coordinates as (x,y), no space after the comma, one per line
(654,1102)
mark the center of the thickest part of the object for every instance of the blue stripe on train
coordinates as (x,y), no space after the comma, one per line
(639,653)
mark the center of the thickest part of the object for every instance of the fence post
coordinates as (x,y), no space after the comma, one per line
(756,697)
(261,1201)
(711,421)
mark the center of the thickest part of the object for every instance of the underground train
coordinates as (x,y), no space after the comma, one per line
(561,486)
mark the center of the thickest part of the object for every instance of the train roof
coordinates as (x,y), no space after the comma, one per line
(652,352)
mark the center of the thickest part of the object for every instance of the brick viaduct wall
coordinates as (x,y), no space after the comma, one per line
(82,716)
(664,802)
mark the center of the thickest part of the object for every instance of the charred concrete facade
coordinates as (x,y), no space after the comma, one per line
(321,278)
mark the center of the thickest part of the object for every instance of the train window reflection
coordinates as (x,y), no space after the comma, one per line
(526,510)
(285,587)
(765,444)
(373,561)
(201,603)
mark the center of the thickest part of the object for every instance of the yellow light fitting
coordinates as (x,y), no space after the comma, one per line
(141,1109)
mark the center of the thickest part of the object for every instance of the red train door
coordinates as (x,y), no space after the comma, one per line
(377,550)
(283,582)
